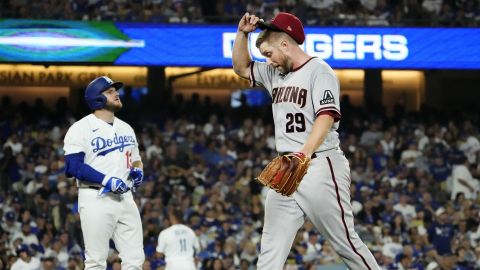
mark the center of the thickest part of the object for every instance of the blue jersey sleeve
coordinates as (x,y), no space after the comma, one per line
(75,167)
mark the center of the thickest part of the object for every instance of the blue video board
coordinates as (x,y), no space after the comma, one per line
(28,41)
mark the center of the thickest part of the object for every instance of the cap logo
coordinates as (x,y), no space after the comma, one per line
(289,28)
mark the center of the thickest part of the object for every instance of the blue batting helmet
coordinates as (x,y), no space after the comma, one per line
(93,93)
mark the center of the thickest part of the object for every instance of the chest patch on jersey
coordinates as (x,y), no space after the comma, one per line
(327,98)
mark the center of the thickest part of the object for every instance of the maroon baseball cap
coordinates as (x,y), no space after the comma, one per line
(287,23)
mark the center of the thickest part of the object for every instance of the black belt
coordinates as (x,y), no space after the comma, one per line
(94,187)
(314,155)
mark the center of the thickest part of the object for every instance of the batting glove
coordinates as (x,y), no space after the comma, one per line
(136,174)
(115,185)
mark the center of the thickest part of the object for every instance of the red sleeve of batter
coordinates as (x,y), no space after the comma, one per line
(332,111)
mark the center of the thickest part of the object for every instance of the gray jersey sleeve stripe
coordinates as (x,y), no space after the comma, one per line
(252,75)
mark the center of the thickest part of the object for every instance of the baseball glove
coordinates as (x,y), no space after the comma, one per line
(284,173)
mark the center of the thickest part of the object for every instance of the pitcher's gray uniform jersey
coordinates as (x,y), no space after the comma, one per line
(298,98)
(295,104)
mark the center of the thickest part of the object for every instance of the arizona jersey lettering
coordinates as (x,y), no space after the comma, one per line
(290,94)
(297,99)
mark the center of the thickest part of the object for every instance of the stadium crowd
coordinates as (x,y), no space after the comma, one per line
(413,185)
(445,13)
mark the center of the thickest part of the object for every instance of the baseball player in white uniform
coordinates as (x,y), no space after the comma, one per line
(178,243)
(101,152)
(306,113)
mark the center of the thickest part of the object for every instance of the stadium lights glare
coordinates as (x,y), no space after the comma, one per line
(42,42)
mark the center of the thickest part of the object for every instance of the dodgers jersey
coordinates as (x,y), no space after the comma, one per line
(297,99)
(178,242)
(109,149)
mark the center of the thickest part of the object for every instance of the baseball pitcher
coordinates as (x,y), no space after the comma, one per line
(311,177)
(101,152)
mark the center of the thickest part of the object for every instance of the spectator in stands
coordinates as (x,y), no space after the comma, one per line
(410,156)
(9,225)
(14,144)
(48,263)
(371,135)
(463,181)
(328,255)
(24,260)
(26,235)
(470,146)
(405,208)
(313,12)
(441,232)
(440,171)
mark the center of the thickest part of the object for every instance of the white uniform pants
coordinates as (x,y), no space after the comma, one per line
(113,217)
(323,196)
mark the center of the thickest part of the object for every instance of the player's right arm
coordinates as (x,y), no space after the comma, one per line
(240,56)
